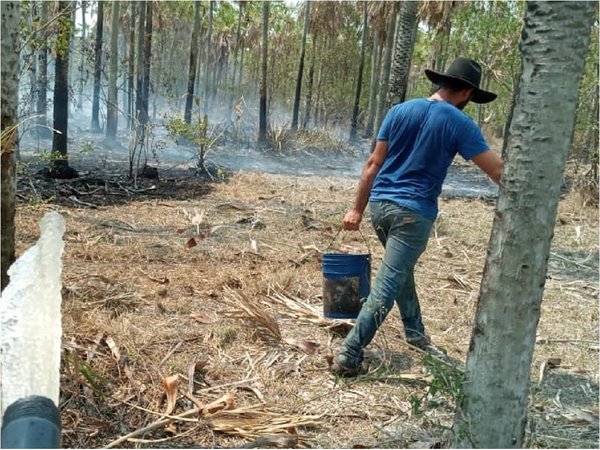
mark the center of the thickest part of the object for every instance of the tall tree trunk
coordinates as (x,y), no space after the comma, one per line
(10,101)
(208,60)
(31,64)
(238,34)
(298,91)
(112,107)
(97,68)
(361,65)
(385,75)
(59,163)
(189,101)
(42,91)
(82,56)
(131,66)
(493,410)
(262,118)
(375,76)
(140,60)
(319,85)
(240,74)
(309,93)
(147,57)
(404,51)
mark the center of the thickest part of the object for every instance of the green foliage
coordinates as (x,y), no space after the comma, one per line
(197,133)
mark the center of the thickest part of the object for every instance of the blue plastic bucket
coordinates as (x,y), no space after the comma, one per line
(346,283)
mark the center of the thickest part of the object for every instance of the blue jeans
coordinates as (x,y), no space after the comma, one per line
(404,234)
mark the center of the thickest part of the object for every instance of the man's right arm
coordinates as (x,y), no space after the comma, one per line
(490,163)
(353,217)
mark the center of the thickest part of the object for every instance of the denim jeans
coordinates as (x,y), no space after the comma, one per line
(404,234)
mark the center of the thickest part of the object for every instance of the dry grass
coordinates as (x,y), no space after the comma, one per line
(140,306)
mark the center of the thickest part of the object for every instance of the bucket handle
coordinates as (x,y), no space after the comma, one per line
(340,231)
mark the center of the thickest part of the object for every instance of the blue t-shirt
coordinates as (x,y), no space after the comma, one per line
(423,136)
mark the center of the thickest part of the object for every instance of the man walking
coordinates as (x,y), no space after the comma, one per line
(402,180)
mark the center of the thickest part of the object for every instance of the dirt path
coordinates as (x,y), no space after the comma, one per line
(164,282)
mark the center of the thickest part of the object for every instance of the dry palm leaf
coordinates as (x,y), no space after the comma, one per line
(252,311)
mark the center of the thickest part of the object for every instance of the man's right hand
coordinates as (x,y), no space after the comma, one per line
(352,220)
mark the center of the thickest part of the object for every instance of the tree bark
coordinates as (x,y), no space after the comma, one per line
(10,101)
(404,51)
(238,35)
(359,77)
(189,101)
(112,106)
(97,68)
(493,410)
(309,93)
(375,76)
(82,56)
(208,60)
(147,57)
(262,118)
(131,66)
(42,91)
(140,60)
(59,163)
(298,92)
(385,71)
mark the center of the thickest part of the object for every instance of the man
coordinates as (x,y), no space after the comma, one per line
(402,180)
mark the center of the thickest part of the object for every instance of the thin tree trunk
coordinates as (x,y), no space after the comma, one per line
(262,118)
(319,84)
(238,34)
(131,66)
(42,91)
(240,75)
(147,57)
(359,77)
(493,409)
(10,102)
(82,56)
(113,100)
(32,66)
(189,101)
(385,75)
(375,75)
(309,93)
(140,60)
(59,163)
(405,45)
(97,68)
(300,75)
(208,60)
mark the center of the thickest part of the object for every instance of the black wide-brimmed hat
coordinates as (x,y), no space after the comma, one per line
(467,71)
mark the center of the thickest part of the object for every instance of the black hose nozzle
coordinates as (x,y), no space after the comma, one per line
(31,422)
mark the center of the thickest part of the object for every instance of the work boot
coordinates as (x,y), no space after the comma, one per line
(424,343)
(342,368)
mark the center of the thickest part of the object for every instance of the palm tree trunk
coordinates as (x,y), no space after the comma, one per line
(131,67)
(262,118)
(298,91)
(208,60)
(8,163)
(140,60)
(82,56)
(147,56)
(493,410)
(192,69)
(404,50)
(59,163)
(113,101)
(238,34)
(97,68)
(309,93)
(385,75)
(375,75)
(42,91)
(361,65)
